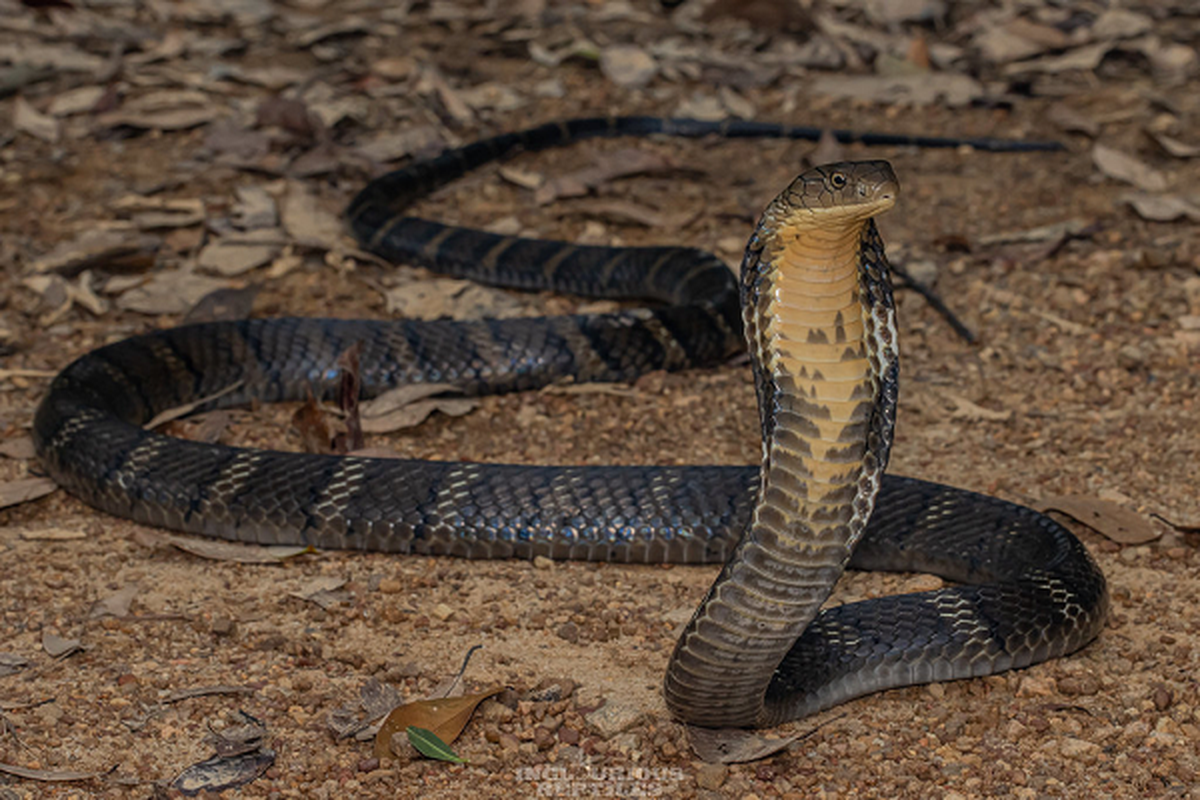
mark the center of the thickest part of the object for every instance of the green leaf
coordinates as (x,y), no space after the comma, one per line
(429,745)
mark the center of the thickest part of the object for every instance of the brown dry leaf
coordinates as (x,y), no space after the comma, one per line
(415,141)
(1068,119)
(628,65)
(449,298)
(223,304)
(219,773)
(965,409)
(1161,207)
(947,88)
(48,775)
(409,406)
(323,591)
(1175,147)
(446,718)
(167,415)
(19,447)
(52,534)
(116,604)
(624,212)
(1106,518)
(607,167)
(172,291)
(735,745)
(307,221)
(206,691)
(14,493)
(1124,167)
(828,150)
(230,258)
(172,119)
(114,250)
(1081,58)
(312,423)
(58,646)
(28,119)
(217,550)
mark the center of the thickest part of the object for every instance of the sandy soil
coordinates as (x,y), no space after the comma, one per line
(1087,361)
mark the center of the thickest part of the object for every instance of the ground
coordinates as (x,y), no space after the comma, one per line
(1083,380)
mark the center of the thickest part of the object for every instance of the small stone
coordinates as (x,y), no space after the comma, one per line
(1036,686)
(442,612)
(568,735)
(509,742)
(368,764)
(224,626)
(541,562)
(614,717)
(1079,749)
(1163,697)
(711,776)
(391,586)
(568,631)
(1081,685)
(543,737)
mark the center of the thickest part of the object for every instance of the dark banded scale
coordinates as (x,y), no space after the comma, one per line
(818,314)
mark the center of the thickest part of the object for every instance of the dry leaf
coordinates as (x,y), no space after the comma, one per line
(312,423)
(449,298)
(22,491)
(48,775)
(59,647)
(217,550)
(947,88)
(19,447)
(219,773)
(1161,207)
(628,65)
(54,534)
(408,406)
(116,604)
(607,167)
(113,250)
(29,120)
(169,292)
(445,718)
(1124,167)
(735,745)
(322,591)
(413,141)
(307,221)
(169,414)
(1107,518)
(965,409)
(1175,147)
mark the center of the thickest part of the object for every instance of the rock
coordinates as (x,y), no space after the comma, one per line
(614,717)
(442,612)
(1079,749)
(711,776)
(568,631)
(628,66)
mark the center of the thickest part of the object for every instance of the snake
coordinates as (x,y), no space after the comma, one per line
(815,310)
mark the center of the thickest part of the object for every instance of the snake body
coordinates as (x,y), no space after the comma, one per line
(814,304)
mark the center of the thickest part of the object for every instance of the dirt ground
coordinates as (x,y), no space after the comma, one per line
(1083,381)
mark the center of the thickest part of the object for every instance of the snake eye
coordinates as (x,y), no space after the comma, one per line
(837,180)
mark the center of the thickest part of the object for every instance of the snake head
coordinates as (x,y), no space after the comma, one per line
(832,195)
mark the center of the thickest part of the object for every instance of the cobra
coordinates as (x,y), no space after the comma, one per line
(814,306)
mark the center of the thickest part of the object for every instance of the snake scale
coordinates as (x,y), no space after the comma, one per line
(819,319)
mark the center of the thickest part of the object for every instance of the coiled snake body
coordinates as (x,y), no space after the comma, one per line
(816,309)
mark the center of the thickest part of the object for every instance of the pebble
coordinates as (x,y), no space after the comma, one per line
(711,776)
(391,586)
(1079,749)
(568,631)
(614,717)
(541,562)
(442,611)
